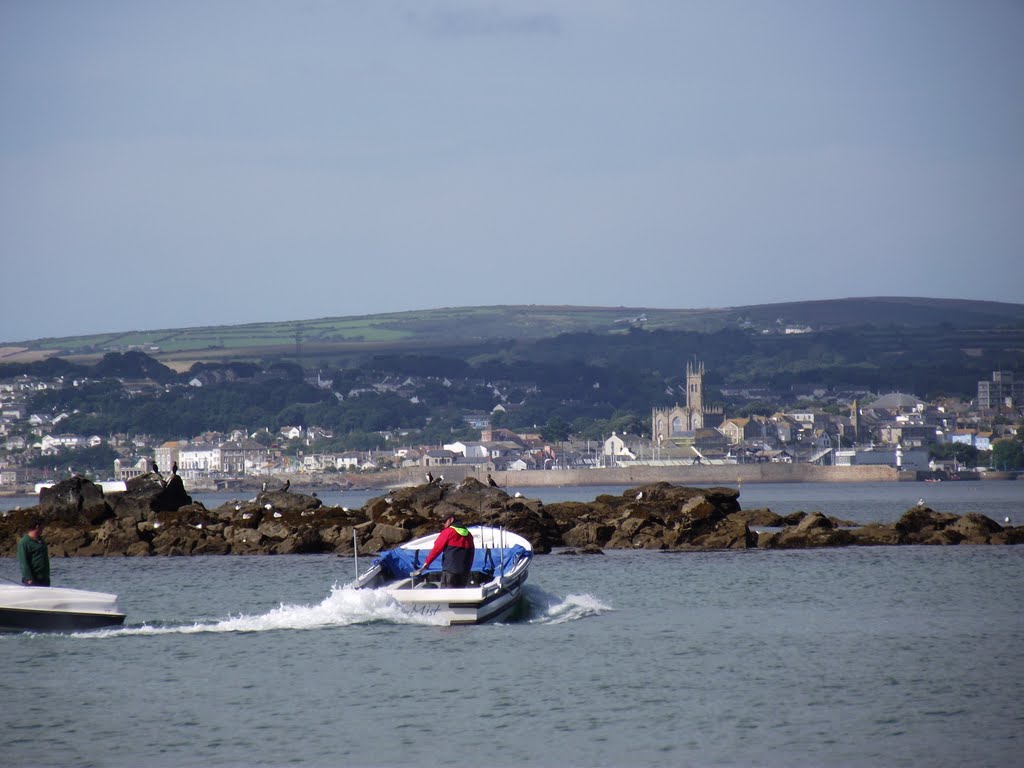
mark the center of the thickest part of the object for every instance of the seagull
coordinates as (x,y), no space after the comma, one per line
(199,526)
(345,509)
(237,507)
(517,495)
(264,489)
(920,502)
(639,496)
(278,515)
(247,516)
(1006,519)
(157,524)
(388,500)
(268,506)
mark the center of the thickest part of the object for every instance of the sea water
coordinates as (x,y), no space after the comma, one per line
(879,656)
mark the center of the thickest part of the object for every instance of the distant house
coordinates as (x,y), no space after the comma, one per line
(198,459)
(350,460)
(126,470)
(318,462)
(244,457)
(736,430)
(167,454)
(438,457)
(52,444)
(615,448)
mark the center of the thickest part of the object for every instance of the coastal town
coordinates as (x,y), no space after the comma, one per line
(947,439)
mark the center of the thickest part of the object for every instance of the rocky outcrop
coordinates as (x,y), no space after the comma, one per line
(73,500)
(153,518)
(147,495)
(656,516)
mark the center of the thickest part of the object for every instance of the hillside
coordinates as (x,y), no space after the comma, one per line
(469,330)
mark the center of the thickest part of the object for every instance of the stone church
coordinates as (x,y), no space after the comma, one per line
(678,424)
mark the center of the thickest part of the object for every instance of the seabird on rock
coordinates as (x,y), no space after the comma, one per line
(157,524)
(430,477)
(247,516)
(345,509)
(639,496)
(920,502)
(237,507)
(268,506)
(287,485)
(517,495)
(388,500)
(277,514)
(154,467)
(264,489)
(490,481)
(174,468)
(1006,519)
(199,526)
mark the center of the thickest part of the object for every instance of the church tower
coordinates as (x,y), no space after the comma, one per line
(695,393)
(679,424)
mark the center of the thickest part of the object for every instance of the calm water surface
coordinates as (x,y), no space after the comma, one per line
(904,656)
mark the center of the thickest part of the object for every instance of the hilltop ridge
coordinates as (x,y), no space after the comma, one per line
(445,328)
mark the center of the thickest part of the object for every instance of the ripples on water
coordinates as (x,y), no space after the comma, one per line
(846,657)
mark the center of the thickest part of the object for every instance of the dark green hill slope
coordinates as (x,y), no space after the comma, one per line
(466,331)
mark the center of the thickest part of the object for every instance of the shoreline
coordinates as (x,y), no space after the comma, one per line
(738,474)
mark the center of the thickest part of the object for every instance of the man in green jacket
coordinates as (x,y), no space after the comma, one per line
(34,557)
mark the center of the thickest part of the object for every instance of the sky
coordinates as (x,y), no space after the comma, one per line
(181,163)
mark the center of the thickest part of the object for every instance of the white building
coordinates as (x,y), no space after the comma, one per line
(199,459)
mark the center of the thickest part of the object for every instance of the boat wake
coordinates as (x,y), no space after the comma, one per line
(540,607)
(343,607)
(346,606)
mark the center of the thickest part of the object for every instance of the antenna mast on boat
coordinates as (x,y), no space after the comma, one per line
(355,549)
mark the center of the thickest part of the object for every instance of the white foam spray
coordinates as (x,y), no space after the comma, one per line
(343,607)
(542,607)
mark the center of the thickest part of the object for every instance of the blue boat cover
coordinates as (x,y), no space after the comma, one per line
(399,563)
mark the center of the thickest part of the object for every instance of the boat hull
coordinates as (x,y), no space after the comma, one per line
(56,609)
(463,605)
(501,560)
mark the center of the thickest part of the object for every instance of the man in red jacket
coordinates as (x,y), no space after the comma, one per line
(456,545)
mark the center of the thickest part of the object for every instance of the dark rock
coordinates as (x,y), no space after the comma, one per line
(814,530)
(731,533)
(588,534)
(923,520)
(877,535)
(285,502)
(975,528)
(76,500)
(759,518)
(306,540)
(147,495)
(116,536)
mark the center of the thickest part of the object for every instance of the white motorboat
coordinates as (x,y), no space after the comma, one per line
(56,609)
(500,563)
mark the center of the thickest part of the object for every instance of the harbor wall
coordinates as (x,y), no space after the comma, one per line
(678,475)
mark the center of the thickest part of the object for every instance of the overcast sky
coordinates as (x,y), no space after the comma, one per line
(179,163)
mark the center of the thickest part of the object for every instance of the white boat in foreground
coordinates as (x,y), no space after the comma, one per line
(56,609)
(500,564)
